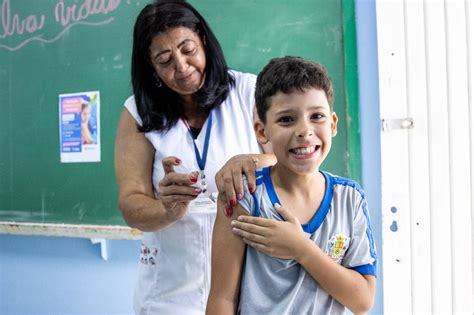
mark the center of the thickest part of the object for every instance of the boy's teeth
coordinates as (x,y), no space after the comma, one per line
(307,150)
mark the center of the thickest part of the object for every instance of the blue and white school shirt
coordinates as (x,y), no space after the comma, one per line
(340,227)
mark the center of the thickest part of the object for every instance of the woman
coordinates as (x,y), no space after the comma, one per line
(188,112)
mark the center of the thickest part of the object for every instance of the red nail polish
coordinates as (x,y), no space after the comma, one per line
(194,179)
(177,161)
(251,189)
(233,203)
(228,212)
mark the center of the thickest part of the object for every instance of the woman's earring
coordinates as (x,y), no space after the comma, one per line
(158,81)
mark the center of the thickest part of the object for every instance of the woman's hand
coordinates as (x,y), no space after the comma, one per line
(229,180)
(175,189)
(280,239)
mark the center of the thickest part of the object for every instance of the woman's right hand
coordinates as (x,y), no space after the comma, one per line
(175,189)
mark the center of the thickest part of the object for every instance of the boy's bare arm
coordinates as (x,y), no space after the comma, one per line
(228,253)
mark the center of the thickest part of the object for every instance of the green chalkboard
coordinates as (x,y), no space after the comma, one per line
(52,47)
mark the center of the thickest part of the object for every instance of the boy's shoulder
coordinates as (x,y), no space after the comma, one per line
(343,181)
(339,182)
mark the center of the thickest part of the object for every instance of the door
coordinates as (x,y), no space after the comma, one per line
(426,83)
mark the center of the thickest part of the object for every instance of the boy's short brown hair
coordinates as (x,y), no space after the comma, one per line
(286,75)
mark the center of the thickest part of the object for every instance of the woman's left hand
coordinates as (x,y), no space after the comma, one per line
(280,239)
(229,180)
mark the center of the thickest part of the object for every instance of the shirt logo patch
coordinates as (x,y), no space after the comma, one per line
(337,246)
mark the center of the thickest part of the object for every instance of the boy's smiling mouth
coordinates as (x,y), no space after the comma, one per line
(307,150)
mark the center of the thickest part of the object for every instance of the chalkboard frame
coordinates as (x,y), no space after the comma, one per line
(119,231)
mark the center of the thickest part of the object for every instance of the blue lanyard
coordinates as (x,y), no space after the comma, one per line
(201,161)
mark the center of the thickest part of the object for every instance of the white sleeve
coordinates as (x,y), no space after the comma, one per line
(245,85)
(131,106)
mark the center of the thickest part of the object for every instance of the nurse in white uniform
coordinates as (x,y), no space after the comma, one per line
(189,114)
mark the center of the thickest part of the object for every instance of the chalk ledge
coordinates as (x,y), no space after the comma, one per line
(70,230)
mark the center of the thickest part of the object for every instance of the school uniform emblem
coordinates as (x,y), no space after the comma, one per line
(337,246)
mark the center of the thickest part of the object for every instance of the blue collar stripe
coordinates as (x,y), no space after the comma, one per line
(256,206)
(323,210)
(267,180)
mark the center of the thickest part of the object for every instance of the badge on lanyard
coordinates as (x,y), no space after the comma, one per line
(206,201)
(202,183)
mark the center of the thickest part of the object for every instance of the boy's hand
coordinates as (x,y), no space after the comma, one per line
(280,239)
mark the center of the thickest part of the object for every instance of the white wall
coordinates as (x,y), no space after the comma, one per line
(426,56)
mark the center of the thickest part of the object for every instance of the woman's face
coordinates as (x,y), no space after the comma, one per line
(178,58)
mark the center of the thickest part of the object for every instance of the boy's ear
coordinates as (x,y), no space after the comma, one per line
(334,120)
(259,129)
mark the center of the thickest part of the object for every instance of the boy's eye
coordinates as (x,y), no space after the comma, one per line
(285,119)
(317,116)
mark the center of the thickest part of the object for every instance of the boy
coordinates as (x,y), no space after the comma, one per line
(321,266)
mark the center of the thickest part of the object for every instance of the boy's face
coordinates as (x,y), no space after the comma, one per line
(300,127)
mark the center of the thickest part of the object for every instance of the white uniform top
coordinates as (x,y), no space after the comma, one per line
(340,227)
(174,273)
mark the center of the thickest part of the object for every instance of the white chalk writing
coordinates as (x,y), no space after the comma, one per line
(65,15)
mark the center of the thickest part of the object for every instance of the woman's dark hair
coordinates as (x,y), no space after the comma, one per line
(160,108)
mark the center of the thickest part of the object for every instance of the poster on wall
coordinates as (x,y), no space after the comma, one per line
(79,127)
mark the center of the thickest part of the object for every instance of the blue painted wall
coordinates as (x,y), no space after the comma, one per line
(51,275)
(58,275)
(369,118)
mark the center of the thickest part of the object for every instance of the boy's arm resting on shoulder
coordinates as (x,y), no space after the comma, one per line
(352,289)
(134,156)
(228,252)
(286,240)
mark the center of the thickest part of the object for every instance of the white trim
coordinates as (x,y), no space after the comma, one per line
(418,157)
(438,129)
(426,74)
(470,88)
(459,156)
(394,151)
